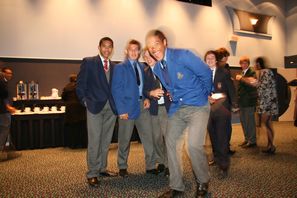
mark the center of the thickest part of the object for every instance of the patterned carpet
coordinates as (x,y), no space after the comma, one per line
(60,172)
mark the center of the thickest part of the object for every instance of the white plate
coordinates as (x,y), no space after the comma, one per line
(217,96)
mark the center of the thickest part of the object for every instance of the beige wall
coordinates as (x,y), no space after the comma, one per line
(72,28)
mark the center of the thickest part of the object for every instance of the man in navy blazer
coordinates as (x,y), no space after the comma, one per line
(188,80)
(127,89)
(94,92)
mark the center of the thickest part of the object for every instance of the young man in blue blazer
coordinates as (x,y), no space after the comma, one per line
(127,89)
(188,80)
(94,91)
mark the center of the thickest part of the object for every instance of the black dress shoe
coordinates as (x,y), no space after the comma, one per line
(123,173)
(93,182)
(231,152)
(166,172)
(249,145)
(202,190)
(152,172)
(172,194)
(161,168)
(107,174)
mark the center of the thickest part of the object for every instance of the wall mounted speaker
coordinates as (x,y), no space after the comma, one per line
(199,2)
(291,61)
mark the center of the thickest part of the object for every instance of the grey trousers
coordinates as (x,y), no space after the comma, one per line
(248,123)
(100,131)
(5,119)
(159,123)
(144,127)
(195,118)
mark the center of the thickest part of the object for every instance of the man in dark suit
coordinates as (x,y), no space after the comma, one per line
(5,110)
(93,90)
(127,89)
(247,103)
(219,122)
(188,80)
(159,105)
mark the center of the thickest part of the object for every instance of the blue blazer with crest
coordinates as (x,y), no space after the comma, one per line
(93,89)
(125,89)
(190,77)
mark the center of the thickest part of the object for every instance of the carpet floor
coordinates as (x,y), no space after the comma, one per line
(60,172)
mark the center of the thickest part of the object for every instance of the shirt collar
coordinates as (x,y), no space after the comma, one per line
(132,61)
(102,59)
(244,71)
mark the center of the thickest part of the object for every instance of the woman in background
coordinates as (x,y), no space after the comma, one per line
(267,103)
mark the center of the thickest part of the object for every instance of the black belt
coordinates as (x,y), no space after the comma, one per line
(161,104)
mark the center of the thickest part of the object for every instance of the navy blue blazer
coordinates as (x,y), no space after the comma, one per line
(223,84)
(150,83)
(93,89)
(125,89)
(190,77)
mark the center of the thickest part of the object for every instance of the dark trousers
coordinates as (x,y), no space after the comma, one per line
(219,133)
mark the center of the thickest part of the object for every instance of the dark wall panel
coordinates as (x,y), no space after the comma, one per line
(49,74)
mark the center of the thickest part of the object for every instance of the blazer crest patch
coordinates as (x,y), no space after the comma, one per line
(179,75)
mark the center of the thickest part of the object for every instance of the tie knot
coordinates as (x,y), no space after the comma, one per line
(164,63)
(105,65)
(134,64)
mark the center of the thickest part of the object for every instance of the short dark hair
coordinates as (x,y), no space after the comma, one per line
(105,39)
(157,33)
(261,62)
(134,42)
(211,52)
(222,52)
(72,77)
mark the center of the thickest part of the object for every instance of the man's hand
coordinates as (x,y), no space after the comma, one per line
(157,93)
(10,108)
(146,103)
(211,100)
(238,77)
(124,116)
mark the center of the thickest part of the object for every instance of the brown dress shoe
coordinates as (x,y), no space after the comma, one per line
(93,182)
(171,194)
(211,163)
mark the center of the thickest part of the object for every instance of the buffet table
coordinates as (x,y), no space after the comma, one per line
(45,128)
(37,130)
